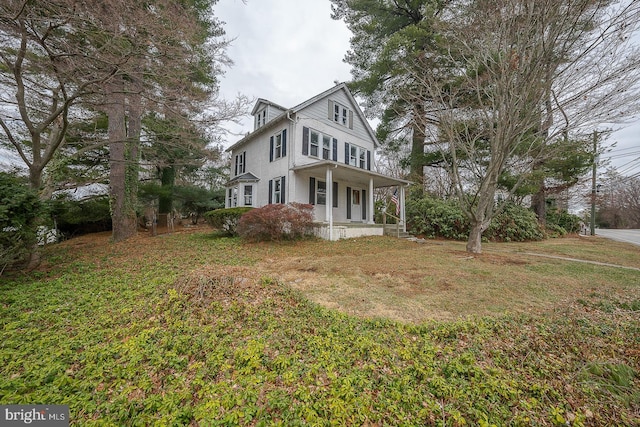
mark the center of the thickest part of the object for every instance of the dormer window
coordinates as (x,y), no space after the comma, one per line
(261,118)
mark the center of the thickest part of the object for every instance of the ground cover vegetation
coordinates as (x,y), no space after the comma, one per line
(193,329)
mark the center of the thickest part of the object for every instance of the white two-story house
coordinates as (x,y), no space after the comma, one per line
(319,152)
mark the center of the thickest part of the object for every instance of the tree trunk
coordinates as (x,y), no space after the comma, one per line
(474,242)
(417,144)
(123,215)
(539,206)
(167,178)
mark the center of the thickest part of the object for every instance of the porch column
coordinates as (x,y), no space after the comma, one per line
(370,213)
(403,213)
(329,202)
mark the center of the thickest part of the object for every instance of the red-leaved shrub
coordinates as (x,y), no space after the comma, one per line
(277,222)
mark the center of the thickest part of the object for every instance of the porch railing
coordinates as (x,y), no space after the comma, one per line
(384,222)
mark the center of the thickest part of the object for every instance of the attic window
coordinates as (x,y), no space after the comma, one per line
(340,114)
(261,118)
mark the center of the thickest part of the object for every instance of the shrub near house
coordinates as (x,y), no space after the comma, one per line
(277,222)
(432,217)
(226,220)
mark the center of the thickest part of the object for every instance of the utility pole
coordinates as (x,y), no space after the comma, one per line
(593,183)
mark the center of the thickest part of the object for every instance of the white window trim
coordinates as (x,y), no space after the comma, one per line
(249,196)
(240,163)
(359,159)
(232,197)
(261,118)
(321,192)
(340,114)
(277,191)
(320,145)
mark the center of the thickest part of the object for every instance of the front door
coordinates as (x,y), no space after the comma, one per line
(356,205)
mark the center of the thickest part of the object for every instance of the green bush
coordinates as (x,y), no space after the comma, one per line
(514,224)
(226,220)
(77,217)
(431,217)
(562,222)
(277,222)
(20,211)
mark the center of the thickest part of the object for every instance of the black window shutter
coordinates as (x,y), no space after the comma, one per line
(312,191)
(270,191)
(271,149)
(305,141)
(284,143)
(244,161)
(364,204)
(368,160)
(346,153)
(350,119)
(282,189)
(236,169)
(348,202)
(335,149)
(335,194)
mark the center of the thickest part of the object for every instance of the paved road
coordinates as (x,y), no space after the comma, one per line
(629,236)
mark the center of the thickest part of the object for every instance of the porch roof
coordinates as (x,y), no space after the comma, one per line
(247,177)
(351,173)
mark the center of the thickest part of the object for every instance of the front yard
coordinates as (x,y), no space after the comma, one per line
(189,329)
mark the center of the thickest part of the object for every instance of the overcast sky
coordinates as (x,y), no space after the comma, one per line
(287,51)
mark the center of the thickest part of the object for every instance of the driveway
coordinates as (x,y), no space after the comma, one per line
(629,236)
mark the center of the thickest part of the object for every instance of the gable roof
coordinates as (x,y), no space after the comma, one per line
(261,101)
(358,111)
(301,106)
(246,177)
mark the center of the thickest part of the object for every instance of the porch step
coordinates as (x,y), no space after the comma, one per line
(388,231)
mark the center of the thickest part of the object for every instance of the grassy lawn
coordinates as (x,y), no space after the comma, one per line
(190,329)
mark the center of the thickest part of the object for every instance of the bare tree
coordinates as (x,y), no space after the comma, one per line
(527,74)
(42,76)
(123,58)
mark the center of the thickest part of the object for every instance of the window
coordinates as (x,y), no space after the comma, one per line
(318,192)
(261,118)
(356,197)
(353,155)
(321,193)
(316,144)
(278,145)
(277,191)
(232,197)
(340,114)
(240,163)
(326,147)
(313,143)
(248,195)
(357,156)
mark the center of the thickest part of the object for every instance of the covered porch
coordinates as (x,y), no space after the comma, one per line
(347,207)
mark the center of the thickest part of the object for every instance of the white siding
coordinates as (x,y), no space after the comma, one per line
(257,163)
(319,112)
